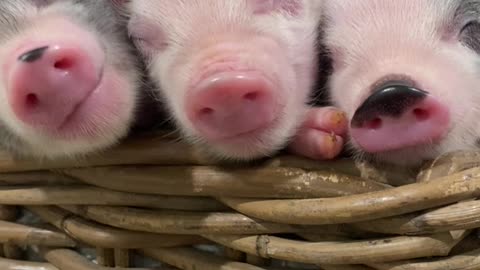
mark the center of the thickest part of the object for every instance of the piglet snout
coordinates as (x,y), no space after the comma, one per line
(46,83)
(397,116)
(230,104)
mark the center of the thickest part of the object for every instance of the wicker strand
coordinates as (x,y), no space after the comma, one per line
(467,261)
(367,206)
(133,151)
(66,259)
(87,195)
(8,264)
(107,237)
(190,259)
(105,257)
(354,252)
(459,216)
(346,267)
(24,235)
(267,182)
(122,257)
(182,222)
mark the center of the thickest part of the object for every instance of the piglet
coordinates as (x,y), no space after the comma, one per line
(406,73)
(69,79)
(236,75)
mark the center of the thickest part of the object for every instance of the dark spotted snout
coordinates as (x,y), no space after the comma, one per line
(397,116)
(391,99)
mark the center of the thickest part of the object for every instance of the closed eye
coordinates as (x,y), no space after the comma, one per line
(148,37)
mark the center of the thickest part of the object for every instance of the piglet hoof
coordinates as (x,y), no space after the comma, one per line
(321,137)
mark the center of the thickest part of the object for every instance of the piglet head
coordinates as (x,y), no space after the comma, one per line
(235,74)
(406,72)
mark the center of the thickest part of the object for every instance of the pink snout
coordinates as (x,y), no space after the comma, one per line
(231,104)
(397,117)
(47,83)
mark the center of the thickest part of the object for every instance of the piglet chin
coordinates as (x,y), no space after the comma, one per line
(98,122)
(249,146)
(102,114)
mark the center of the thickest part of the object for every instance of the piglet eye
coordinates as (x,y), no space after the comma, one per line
(470,35)
(148,38)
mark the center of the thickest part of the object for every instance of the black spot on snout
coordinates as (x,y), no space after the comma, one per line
(390,99)
(33,55)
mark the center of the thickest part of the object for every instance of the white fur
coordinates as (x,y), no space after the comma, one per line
(376,38)
(110,125)
(280,45)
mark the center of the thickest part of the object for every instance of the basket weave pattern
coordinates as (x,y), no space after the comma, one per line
(159,198)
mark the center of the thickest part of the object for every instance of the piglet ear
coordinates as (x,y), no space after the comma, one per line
(292,7)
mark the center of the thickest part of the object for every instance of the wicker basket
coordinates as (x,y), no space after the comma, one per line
(161,199)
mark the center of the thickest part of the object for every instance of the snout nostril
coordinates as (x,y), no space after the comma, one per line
(63,63)
(32,100)
(206,111)
(251,96)
(421,114)
(374,124)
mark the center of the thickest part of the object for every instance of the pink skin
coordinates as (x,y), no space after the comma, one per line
(235,74)
(321,136)
(45,93)
(68,95)
(376,41)
(217,105)
(422,123)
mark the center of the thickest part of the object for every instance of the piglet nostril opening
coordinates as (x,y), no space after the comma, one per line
(64,63)
(206,111)
(251,96)
(424,120)
(31,100)
(421,114)
(374,124)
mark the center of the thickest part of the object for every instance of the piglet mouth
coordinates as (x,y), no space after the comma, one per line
(256,134)
(80,111)
(78,107)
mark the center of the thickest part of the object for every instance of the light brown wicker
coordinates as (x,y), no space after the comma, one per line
(158,198)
